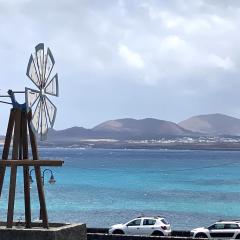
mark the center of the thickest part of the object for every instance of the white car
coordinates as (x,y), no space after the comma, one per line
(156,226)
(220,229)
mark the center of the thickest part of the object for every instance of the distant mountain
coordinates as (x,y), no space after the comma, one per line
(150,128)
(123,129)
(144,128)
(213,124)
(70,134)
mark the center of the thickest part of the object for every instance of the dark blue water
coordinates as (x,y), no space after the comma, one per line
(103,187)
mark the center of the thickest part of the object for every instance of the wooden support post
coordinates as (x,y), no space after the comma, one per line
(26,172)
(6,147)
(11,196)
(17,134)
(43,209)
(15,152)
(8,136)
(20,122)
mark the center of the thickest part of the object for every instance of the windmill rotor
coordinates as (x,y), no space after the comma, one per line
(39,71)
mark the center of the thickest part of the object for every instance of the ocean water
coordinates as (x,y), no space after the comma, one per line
(104,187)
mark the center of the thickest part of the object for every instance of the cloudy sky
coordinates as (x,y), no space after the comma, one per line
(127,58)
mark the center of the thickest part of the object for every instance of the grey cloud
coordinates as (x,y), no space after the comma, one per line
(165,59)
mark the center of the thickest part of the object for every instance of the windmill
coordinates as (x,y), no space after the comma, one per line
(29,119)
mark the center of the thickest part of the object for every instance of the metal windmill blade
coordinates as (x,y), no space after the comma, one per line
(39,70)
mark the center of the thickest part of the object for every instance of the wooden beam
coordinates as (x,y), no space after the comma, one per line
(16,136)
(8,137)
(11,196)
(24,162)
(6,147)
(15,152)
(43,208)
(32,137)
(24,147)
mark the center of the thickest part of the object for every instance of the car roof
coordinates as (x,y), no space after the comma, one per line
(154,217)
(228,221)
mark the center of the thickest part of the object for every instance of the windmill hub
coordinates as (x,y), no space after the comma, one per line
(41,92)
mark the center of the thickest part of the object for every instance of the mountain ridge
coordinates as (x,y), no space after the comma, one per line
(205,132)
(126,128)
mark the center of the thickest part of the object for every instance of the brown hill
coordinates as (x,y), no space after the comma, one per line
(213,124)
(144,128)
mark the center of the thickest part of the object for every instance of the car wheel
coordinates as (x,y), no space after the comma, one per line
(157,233)
(238,236)
(201,235)
(118,231)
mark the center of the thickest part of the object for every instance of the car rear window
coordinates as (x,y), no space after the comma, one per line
(164,221)
(149,222)
(231,226)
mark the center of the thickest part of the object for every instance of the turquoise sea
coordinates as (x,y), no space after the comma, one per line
(104,187)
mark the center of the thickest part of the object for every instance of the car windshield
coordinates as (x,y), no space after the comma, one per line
(210,227)
(135,222)
(216,226)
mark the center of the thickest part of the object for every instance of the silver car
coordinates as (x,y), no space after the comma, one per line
(155,226)
(221,229)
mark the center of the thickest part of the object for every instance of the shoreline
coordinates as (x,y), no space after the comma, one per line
(140,145)
(107,146)
(140,148)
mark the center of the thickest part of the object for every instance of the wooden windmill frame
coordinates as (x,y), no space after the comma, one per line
(24,124)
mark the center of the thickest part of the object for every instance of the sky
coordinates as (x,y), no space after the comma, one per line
(126,58)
